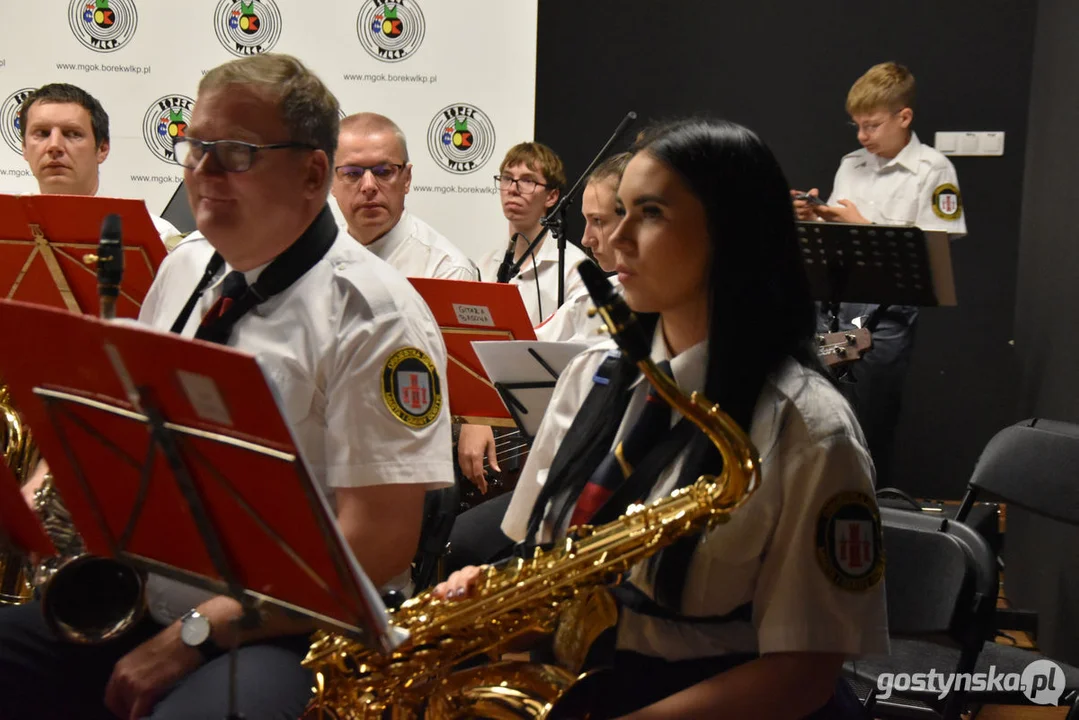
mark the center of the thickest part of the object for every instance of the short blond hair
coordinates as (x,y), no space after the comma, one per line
(887,86)
(538,158)
(371,123)
(309,110)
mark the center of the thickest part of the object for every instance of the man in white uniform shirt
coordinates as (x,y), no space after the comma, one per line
(65,138)
(530,181)
(893,179)
(371,179)
(339,333)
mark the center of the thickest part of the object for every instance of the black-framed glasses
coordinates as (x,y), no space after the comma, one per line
(231,155)
(525,186)
(382,173)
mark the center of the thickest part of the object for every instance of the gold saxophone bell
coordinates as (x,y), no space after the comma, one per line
(85,599)
(20,457)
(560,592)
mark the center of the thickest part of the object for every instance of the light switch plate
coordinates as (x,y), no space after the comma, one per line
(970,144)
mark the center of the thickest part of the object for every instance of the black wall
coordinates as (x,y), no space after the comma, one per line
(784,69)
(1047,337)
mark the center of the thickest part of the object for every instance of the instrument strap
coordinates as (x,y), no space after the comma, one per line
(633,598)
(279,275)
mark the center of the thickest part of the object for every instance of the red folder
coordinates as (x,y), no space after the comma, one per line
(74,380)
(466,311)
(44,241)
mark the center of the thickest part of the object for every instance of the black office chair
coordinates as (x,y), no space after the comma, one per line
(941,585)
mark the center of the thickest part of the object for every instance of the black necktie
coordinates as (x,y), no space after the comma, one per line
(236,299)
(651,424)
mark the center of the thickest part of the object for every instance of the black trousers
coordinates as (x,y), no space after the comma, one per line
(874,384)
(42,677)
(477,536)
(634,681)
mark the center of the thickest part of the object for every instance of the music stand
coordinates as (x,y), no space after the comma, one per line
(165,466)
(468,311)
(46,244)
(879,264)
(178,211)
(525,373)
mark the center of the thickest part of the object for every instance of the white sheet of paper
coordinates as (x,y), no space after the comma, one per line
(509,361)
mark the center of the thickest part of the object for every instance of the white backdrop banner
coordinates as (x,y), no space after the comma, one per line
(460,80)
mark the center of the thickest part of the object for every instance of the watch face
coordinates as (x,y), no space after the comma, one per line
(195,630)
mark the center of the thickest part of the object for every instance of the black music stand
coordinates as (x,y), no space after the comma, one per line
(878,264)
(524,365)
(158,462)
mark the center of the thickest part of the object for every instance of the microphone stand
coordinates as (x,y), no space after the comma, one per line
(554,221)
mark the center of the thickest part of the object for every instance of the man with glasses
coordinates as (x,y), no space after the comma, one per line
(269,274)
(893,179)
(371,179)
(65,138)
(529,182)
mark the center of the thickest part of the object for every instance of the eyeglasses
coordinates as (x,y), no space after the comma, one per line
(231,155)
(382,173)
(525,186)
(870,128)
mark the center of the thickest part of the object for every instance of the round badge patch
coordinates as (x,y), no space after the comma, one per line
(946,202)
(411,388)
(850,546)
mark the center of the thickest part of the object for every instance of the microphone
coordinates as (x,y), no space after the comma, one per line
(505,270)
(110,265)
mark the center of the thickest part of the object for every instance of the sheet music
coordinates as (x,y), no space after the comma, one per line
(522,361)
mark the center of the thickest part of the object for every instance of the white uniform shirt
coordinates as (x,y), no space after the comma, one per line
(168,233)
(919,186)
(571,323)
(324,342)
(418,250)
(811,449)
(543,274)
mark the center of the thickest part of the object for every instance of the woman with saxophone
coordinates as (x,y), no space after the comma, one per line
(754,617)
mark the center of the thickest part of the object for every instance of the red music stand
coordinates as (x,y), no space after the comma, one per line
(167,466)
(47,244)
(468,311)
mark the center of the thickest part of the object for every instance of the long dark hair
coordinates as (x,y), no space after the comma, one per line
(759,297)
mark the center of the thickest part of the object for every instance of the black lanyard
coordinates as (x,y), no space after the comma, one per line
(279,275)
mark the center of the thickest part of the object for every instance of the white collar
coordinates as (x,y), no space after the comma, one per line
(385,245)
(689,367)
(908,157)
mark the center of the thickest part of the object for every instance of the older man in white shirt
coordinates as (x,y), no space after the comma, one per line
(371,179)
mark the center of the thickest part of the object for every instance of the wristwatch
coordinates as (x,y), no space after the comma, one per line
(195,631)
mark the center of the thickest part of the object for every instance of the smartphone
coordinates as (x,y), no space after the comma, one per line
(811,199)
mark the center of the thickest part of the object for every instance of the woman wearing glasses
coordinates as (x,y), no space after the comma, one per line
(755,618)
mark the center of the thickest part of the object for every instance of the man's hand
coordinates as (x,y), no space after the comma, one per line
(803,210)
(845,212)
(148,672)
(476,443)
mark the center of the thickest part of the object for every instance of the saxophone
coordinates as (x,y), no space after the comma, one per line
(18,579)
(561,591)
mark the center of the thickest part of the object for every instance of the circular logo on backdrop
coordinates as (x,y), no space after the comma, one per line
(247,28)
(461,138)
(103,25)
(9,119)
(390,32)
(165,121)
